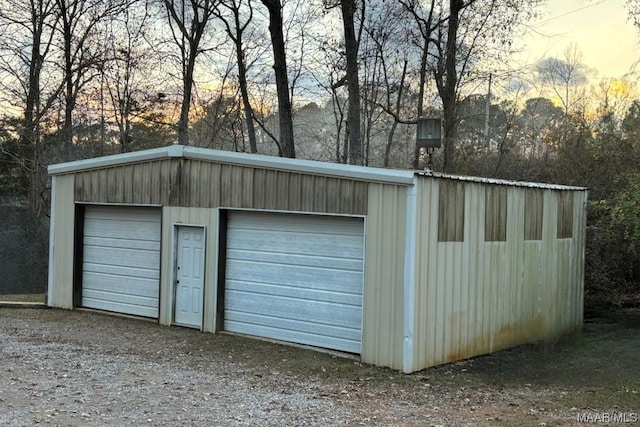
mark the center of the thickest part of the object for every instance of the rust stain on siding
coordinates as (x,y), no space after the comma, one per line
(508,335)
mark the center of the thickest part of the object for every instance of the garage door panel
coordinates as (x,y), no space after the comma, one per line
(296,278)
(120,213)
(121,285)
(348,334)
(122,230)
(323,244)
(121,307)
(120,243)
(284,259)
(303,293)
(311,338)
(120,256)
(125,272)
(125,298)
(319,313)
(300,224)
(121,259)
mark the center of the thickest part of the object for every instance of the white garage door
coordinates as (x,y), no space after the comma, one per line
(295,278)
(121,259)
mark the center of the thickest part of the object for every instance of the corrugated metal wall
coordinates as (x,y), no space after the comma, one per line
(194,183)
(383,309)
(482,294)
(196,186)
(60,293)
(189,216)
(481,284)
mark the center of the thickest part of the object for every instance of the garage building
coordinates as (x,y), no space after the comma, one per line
(403,268)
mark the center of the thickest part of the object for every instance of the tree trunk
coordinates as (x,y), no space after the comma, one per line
(450,85)
(348,8)
(187,84)
(394,126)
(67,127)
(423,80)
(242,79)
(282,81)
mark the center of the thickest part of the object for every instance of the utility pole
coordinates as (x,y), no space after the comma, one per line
(487,112)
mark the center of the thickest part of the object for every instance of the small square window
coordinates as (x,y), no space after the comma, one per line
(533,214)
(565,215)
(451,212)
(495,214)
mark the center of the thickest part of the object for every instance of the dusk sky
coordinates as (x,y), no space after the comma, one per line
(599,28)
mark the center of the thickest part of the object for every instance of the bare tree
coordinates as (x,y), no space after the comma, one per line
(129,54)
(470,31)
(26,45)
(424,20)
(446,77)
(348,9)
(188,20)
(82,55)
(386,31)
(286,146)
(566,77)
(236,29)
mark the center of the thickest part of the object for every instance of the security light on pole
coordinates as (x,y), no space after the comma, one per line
(429,136)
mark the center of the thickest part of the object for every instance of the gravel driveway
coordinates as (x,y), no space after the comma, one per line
(73,368)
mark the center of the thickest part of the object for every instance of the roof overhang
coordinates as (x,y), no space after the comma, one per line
(361,173)
(495,181)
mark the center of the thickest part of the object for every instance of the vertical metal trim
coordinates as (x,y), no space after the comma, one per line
(409,284)
(52,236)
(204,274)
(364,287)
(222,269)
(160,254)
(78,254)
(174,273)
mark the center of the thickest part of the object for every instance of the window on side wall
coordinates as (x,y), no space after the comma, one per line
(495,214)
(451,211)
(565,215)
(533,214)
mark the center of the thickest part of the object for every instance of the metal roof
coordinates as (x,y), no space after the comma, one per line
(242,159)
(364,173)
(501,181)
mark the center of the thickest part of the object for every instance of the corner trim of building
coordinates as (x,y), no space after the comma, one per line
(409,277)
(52,236)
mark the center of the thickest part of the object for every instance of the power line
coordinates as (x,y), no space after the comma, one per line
(571,12)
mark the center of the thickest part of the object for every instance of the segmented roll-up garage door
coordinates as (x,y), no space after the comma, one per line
(121,259)
(295,278)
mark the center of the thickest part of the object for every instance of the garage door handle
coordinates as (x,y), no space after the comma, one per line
(177,281)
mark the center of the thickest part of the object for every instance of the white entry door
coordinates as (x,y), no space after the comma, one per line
(189,277)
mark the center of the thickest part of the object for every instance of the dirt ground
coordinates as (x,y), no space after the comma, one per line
(71,368)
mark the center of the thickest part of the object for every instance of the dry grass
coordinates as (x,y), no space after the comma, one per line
(537,384)
(24,297)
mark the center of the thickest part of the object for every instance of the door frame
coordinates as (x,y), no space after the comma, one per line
(174,268)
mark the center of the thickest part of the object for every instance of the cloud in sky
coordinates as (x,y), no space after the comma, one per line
(600,29)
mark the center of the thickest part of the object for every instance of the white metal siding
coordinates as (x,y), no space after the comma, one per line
(121,260)
(60,293)
(295,278)
(474,297)
(383,307)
